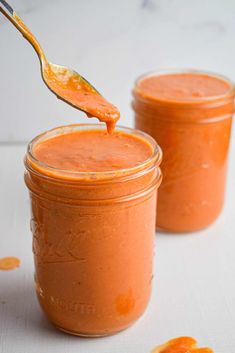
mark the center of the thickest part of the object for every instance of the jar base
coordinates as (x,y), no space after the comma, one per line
(90,335)
(165,230)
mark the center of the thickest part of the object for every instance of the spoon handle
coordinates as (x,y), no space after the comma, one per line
(7,7)
(12,16)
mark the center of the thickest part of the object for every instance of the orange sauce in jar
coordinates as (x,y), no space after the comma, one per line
(190,115)
(93,198)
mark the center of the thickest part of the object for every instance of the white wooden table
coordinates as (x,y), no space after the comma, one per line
(193,294)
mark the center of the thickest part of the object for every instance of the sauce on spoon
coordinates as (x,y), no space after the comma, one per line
(75,90)
(67,84)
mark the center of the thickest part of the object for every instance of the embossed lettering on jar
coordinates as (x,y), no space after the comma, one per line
(93,239)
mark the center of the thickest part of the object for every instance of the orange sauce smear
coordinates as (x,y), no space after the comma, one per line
(181,345)
(9,263)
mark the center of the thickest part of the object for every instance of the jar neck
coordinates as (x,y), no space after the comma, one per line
(199,111)
(72,186)
(119,187)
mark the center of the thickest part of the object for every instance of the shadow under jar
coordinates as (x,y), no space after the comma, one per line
(189,113)
(93,236)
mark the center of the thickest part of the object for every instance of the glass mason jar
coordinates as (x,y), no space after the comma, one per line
(93,239)
(194,136)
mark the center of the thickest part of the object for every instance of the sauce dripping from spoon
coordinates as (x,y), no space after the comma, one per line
(67,84)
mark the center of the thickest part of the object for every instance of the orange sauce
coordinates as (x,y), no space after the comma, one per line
(93,151)
(182,87)
(190,116)
(181,345)
(81,95)
(71,87)
(9,263)
(93,201)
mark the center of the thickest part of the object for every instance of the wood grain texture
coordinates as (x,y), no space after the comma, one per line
(194,287)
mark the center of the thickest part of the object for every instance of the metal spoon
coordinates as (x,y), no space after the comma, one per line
(65,83)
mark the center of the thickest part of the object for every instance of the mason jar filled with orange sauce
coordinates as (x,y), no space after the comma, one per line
(189,113)
(93,200)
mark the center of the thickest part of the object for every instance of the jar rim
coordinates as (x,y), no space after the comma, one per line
(41,168)
(196,100)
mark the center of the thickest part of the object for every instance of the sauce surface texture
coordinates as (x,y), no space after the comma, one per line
(182,86)
(93,151)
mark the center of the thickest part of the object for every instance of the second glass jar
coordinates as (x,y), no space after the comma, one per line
(194,136)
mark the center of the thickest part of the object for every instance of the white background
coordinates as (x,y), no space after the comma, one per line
(111,43)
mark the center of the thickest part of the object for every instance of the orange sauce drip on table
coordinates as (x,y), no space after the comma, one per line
(181,345)
(9,263)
